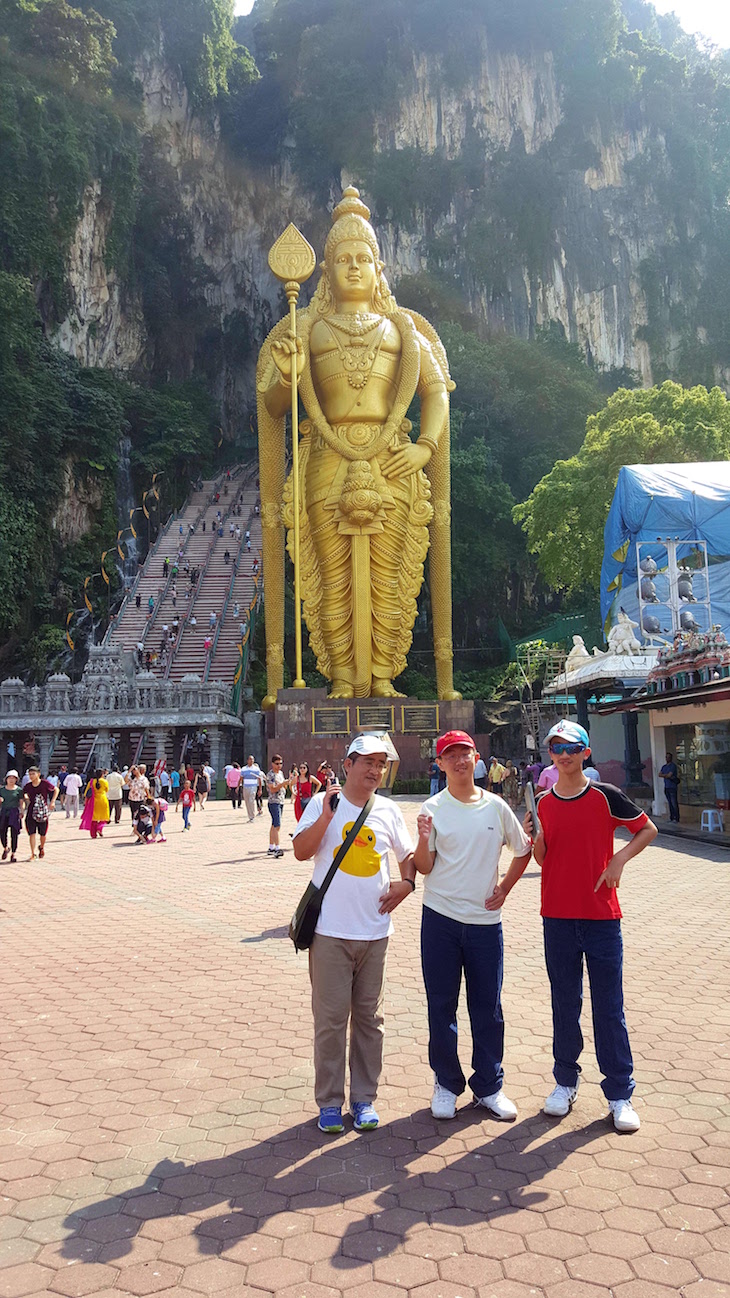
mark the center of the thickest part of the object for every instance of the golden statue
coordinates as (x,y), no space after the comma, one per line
(368,495)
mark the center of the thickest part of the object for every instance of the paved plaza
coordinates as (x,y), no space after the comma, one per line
(157,1127)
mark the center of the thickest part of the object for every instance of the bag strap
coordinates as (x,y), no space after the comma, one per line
(346,845)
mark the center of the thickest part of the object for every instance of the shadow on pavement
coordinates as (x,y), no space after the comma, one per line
(268,933)
(300,1169)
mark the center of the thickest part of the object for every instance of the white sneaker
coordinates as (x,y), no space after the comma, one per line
(498,1105)
(625,1117)
(443,1102)
(560,1101)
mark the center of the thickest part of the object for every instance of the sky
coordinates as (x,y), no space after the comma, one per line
(709,18)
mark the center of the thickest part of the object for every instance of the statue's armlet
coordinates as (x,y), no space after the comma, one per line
(431,375)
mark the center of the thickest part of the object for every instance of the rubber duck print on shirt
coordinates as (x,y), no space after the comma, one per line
(362,858)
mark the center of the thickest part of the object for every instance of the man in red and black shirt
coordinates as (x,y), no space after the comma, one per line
(582,919)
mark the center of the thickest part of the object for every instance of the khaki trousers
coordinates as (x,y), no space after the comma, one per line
(249,797)
(348,980)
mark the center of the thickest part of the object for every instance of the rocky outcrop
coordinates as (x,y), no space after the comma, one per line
(79,506)
(590,282)
(104,325)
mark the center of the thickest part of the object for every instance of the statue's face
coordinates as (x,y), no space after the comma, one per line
(354,273)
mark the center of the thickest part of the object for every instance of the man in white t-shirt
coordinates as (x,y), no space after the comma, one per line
(72,785)
(347,956)
(461,832)
(115,780)
(252,777)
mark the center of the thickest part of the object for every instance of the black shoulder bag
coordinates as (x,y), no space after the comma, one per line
(304,919)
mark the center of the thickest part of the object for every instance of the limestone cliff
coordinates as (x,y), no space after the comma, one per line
(590,283)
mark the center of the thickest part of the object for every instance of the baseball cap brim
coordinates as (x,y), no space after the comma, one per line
(451,739)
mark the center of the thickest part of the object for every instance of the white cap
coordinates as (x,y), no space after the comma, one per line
(15,773)
(368,745)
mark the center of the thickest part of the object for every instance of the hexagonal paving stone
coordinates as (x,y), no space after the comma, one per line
(405,1271)
(76,1281)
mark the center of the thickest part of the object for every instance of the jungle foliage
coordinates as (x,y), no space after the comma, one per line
(69,116)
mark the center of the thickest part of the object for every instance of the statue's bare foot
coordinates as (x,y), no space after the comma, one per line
(341,690)
(384,689)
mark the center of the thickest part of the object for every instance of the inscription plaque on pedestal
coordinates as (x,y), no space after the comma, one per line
(420,718)
(330,721)
(376,716)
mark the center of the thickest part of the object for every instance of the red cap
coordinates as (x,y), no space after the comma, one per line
(451,738)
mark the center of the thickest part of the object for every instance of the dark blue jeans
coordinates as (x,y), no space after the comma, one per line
(670,793)
(449,949)
(567,942)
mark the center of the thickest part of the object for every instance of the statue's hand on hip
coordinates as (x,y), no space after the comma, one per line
(406,460)
(282,353)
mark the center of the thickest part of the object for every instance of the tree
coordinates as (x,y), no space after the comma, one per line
(565,515)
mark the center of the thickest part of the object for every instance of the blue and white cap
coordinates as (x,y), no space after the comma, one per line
(569,731)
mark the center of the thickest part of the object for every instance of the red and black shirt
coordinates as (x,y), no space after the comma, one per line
(579,845)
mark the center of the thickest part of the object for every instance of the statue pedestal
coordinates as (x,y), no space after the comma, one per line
(307,726)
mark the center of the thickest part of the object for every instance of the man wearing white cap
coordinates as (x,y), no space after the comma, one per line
(461,832)
(347,956)
(574,844)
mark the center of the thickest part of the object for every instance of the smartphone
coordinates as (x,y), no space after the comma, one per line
(531,804)
(335,796)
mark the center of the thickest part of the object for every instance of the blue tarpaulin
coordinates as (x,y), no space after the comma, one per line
(684,501)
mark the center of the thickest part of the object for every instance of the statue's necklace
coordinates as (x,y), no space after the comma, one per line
(359,367)
(356,324)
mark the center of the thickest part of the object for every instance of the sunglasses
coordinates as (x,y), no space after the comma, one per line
(571,749)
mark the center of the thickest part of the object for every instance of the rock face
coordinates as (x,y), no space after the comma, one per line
(79,506)
(104,325)
(589,282)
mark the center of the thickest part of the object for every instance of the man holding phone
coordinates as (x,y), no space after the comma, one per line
(574,844)
(347,956)
(461,832)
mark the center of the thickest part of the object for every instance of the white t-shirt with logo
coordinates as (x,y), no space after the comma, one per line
(467,838)
(350,905)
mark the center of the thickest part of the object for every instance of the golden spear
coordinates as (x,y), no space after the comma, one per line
(293,260)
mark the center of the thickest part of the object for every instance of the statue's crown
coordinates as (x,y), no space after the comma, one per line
(351,204)
(351,220)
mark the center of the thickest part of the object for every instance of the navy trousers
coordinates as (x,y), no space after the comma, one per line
(567,943)
(448,950)
(670,793)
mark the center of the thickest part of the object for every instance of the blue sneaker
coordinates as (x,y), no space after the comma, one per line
(366,1119)
(331,1120)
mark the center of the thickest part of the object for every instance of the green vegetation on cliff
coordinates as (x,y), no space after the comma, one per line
(69,116)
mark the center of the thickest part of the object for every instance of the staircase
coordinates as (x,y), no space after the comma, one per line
(224,657)
(220,585)
(203,549)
